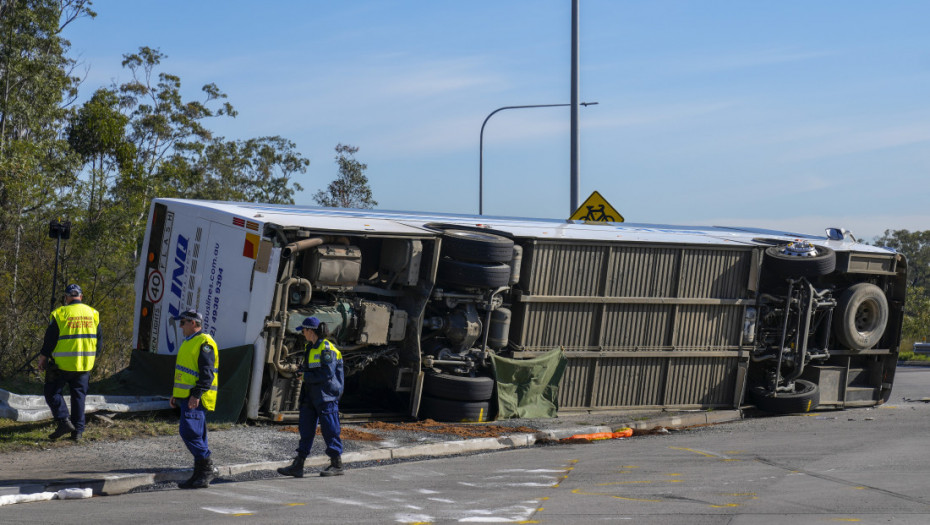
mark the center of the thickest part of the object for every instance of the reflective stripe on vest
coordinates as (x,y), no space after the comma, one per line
(76,348)
(186,369)
(313,354)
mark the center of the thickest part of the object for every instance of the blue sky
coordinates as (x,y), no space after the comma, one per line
(784,114)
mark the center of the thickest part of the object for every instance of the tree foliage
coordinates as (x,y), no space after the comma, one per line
(350,189)
(37,167)
(254,170)
(99,165)
(916,247)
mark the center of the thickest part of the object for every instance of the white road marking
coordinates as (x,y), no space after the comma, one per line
(496,485)
(231,494)
(413,518)
(221,510)
(531,471)
(512,514)
(356,503)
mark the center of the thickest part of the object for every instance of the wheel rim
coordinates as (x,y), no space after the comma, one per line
(800,249)
(866,317)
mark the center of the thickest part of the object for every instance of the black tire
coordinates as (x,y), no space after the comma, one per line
(469,274)
(454,411)
(860,316)
(458,388)
(806,396)
(478,247)
(791,266)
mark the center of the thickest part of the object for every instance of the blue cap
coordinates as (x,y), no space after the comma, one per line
(311,322)
(73,290)
(190,315)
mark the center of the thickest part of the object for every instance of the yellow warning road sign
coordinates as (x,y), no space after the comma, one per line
(596,209)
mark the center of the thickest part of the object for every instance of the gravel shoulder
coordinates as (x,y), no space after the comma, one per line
(257,443)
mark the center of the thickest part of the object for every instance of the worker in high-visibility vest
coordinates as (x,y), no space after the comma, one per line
(324,378)
(196,376)
(70,346)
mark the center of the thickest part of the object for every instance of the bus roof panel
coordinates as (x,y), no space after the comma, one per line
(416,223)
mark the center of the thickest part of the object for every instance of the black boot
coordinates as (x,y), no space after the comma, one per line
(334,468)
(189,484)
(207,474)
(64,427)
(295,469)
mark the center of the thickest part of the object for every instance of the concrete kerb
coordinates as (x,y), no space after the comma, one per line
(689,419)
(111,485)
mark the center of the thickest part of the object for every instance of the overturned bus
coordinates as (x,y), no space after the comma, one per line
(646,316)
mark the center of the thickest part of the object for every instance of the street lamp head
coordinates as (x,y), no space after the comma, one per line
(481,144)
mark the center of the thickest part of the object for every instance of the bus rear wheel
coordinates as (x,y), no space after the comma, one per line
(458,388)
(476,247)
(451,411)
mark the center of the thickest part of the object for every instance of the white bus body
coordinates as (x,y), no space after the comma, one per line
(647,315)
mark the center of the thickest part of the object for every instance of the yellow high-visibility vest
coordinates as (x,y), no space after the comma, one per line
(313,354)
(77,337)
(186,369)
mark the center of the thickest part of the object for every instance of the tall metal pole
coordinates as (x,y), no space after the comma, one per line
(58,230)
(55,275)
(481,145)
(575,177)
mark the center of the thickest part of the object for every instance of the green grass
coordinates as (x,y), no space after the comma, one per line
(18,436)
(22,385)
(32,385)
(911,356)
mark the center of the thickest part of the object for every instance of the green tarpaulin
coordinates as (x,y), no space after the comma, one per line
(153,374)
(529,387)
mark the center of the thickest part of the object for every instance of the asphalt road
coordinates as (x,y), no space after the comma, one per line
(860,466)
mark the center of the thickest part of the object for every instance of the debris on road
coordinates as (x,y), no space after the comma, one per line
(347,433)
(462,430)
(598,436)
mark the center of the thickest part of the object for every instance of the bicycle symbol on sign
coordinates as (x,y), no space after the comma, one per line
(597,214)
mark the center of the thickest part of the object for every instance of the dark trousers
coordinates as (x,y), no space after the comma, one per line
(327,415)
(193,429)
(55,381)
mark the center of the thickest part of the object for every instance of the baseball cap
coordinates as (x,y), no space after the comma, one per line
(190,315)
(311,322)
(73,290)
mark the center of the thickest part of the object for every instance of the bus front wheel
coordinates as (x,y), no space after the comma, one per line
(804,398)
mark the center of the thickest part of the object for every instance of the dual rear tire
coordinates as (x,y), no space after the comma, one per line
(470,259)
(458,399)
(474,259)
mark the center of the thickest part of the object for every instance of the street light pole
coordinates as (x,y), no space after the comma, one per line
(481,145)
(574,172)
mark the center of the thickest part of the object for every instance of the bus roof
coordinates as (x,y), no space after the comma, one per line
(418,223)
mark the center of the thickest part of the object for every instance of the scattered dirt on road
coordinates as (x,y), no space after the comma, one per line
(428,425)
(462,430)
(348,434)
